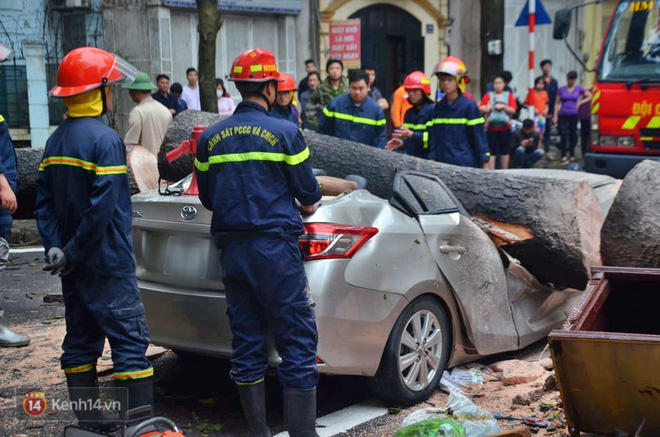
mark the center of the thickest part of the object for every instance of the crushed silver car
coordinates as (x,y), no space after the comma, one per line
(404,288)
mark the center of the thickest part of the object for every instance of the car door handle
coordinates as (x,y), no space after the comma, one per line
(445,248)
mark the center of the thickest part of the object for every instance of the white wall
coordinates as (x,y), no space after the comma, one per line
(516,45)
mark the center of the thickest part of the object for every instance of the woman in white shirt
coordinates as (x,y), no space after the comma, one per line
(225,102)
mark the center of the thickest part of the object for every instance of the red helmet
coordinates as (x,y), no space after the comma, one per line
(86,68)
(417,80)
(287,84)
(255,65)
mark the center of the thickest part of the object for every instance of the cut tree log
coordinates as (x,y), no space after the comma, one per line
(142,169)
(551,225)
(142,175)
(631,232)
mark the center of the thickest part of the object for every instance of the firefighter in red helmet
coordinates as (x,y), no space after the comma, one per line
(253,171)
(285,105)
(84,215)
(413,135)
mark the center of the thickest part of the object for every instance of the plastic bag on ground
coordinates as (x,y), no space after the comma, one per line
(476,421)
(433,428)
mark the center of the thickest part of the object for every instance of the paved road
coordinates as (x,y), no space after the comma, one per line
(193,391)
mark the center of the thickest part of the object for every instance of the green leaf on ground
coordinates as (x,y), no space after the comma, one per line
(206,427)
(392,411)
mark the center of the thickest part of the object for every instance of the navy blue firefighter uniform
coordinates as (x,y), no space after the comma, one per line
(457,135)
(84,207)
(8,169)
(84,215)
(288,113)
(251,168)
(364,123)
(415,120)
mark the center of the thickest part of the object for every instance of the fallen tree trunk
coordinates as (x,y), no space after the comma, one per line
(27,163)
(558,222)
(631,232)
(142,175)
(552,226)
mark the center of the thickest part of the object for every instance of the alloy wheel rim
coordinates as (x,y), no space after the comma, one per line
(420,350)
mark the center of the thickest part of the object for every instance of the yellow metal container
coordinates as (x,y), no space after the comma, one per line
(607,355)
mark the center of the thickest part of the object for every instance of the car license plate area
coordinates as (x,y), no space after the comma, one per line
(187,257)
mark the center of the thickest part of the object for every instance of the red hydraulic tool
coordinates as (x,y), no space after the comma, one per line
(188,146)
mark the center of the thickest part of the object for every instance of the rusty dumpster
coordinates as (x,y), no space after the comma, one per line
(607,354)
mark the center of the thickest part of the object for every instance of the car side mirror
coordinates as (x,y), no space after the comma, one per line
(562,23)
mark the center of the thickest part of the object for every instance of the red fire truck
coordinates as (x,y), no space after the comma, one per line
(625,122)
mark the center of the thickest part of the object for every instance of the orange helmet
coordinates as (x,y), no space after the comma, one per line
(417,80)
(87,68)
(255,65)
(452,66)
(455,67)
(287,83)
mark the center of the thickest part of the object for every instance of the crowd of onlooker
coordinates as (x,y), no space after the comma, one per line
(353,107)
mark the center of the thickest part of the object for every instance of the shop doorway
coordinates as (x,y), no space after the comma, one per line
(392,43)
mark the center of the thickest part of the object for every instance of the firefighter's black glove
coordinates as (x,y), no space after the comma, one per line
(56,261)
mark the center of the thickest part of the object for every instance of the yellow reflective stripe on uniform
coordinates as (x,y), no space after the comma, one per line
(425,139)
(473,122)
(595,108)
(412,126)
(654,123)
(2,118)
(80,369)
(254,68)
(250,383)
(631,122)
(253,156)
(201,166)
(476,121)
(354,119)
(135,374)
(85,165)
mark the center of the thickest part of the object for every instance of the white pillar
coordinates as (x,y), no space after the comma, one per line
(35,66)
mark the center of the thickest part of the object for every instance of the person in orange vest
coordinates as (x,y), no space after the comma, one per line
(400,105)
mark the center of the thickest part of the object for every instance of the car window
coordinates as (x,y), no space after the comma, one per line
(419,193)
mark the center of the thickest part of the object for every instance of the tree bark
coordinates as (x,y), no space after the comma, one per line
(210,22)
(551,225)
(27,160)
(631,232)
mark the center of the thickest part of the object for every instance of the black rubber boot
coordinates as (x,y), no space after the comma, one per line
(140,392)
(253,401)
(84,390)
(300,412)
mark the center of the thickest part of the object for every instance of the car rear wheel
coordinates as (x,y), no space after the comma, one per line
(416,354)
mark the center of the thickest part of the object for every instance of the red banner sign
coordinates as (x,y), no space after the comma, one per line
(345,42)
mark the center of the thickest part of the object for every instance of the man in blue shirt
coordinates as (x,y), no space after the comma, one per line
(355,116)
(252,169)
(162,96)
(180,105)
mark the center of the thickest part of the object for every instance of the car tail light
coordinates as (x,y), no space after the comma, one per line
(328,240)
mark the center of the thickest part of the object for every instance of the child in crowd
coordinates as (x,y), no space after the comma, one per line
(538,99)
